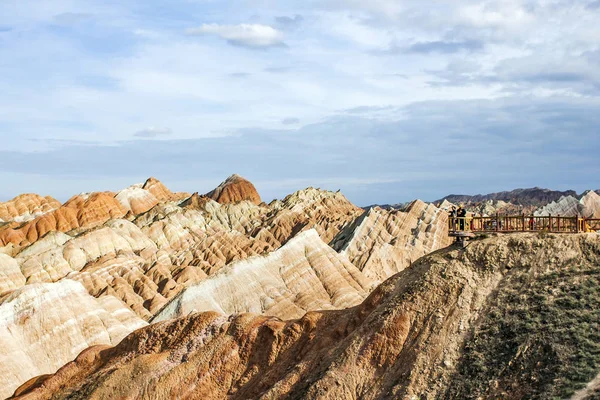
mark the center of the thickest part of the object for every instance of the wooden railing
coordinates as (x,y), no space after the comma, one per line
(523,223)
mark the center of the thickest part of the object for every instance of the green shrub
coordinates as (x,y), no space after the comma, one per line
(535,341)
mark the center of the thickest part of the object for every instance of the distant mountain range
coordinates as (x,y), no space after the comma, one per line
(532,200)
(525,197)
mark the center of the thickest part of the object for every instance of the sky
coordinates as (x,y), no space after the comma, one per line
(386,100)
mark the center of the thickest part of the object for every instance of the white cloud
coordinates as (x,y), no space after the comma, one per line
(506,14)
(249,35)
(354,30)
(381,8)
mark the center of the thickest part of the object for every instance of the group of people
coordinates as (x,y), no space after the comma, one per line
(460,222)
(458,215)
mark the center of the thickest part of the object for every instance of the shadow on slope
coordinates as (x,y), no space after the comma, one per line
(423,333)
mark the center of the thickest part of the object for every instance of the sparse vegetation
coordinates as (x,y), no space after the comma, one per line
(540,337)
(542,235)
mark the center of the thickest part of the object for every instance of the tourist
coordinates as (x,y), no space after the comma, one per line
(462,213)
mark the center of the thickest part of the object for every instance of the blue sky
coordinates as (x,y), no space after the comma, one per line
(385,100)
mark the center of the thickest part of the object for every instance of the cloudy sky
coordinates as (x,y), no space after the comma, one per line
(387,100)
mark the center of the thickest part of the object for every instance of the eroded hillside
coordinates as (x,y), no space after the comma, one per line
(508,317)
(151,251)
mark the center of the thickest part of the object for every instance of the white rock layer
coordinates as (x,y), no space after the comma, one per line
(382,243)
(568,206)
(43,326)
(305,274)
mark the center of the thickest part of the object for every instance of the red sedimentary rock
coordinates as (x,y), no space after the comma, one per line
(235,189)
(27,206)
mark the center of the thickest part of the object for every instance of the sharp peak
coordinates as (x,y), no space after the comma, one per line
(232,179)
(151,180)
(235,177)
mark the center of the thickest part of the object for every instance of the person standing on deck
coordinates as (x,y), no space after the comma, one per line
(462,213)
(453,216)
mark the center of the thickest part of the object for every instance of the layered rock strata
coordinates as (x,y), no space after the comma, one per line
(305,274)
(82,211)
(235,189)
(325,211)
(382,243)
(145,245)
(43,326)
(587,207)
(26,207)
(411,338)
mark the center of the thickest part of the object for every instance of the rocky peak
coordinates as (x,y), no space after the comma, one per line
(235,189)
(195,201)
(158,189)
(26,207)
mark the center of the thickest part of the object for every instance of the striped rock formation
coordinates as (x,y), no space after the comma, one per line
(303,275)
(26,207)
(142,267)
(235,189)
(487,321)
(148,261)
(325,211)
(162,254)
(382,243)
(43,326)
(79,212)
(136,200)
(161,192)
(588,206)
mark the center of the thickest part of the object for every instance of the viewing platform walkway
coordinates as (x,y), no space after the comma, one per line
(463,228)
